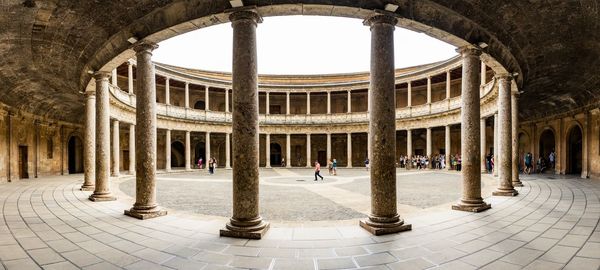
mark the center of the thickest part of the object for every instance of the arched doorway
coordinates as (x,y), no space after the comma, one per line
(574,151)
(200,153)
(275,154)
(524,148)
(75,154)
(547,145)
(177,154)
(199,105)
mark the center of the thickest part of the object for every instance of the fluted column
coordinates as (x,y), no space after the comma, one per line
(448,84)
(246,221)
(349,150)
(145,205)
(288,151)
(132,149)
(102,187)
(188,146)
(89,141)
(307,102)
(167,91)
(409,150)
(384,218)
(227,151)
(505,187)
(168,150)
(483,145)
(116,160)
(187,96)
(428,146)
(130,77)
(268,150)
(516,181)
(470,146)
(308,154)
(448,148)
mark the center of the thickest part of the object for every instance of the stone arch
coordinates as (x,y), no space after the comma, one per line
(546,143)
(177,154)
(200,105)
(75,153)
(574,147)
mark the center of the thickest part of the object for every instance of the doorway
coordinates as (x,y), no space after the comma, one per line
(547,144)
(75,155)
(322,158)
(275,154)
(23,162)
(199,153)
(177,154)
(575,151)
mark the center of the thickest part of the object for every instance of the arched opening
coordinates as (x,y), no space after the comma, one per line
(524,148)
(574,151)
(75,154)
(177,154)
(200,153)
(547,146)
(200,105)
(275,154)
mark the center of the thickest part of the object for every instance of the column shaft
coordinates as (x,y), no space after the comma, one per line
(168,150)
(505,187)
(448,84)
(328,102)
(145,205)
(288,151)
(307,102)
(130,77)
(349,149)
(428,90)
(207,98)
(470,134)
(227,151)
(349,101)
(167,91)
(227,101)
(268,150)
(267,103)
(116,160)
(187,96)
(483,73)
(132,149)
(409,149)
(308,154)
(515,139)
(89,141)
(409,95)
(483,145)
(429,150)
(207,147)
(246,221)
(328,155)
(113,77)
(188,146)
(287,103)
(496,150)
(384,217)
(448,148)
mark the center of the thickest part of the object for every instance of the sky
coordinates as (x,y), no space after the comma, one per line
(300,45)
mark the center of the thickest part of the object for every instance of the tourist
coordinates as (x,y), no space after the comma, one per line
(367,164)
(210,166)
(488,166)
(552,158)
(214,165)
(334,165)
(442,162)
(541,165)
(330,167)
(458,163)
(528,162)
(318,170)
(282,162)
(200,163)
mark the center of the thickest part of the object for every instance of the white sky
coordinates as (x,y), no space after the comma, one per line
(300,45)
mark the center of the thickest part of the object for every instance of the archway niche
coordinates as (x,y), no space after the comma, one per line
(200,105)
(547,145)
(574,151)
(177,154)
(275,154)
(200,153)
(75,155)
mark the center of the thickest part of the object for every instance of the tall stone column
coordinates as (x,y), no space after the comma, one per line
(132,149)
(516,182)
(448,148)
(349,149)
(227,101)
(409,95)
(187,96)
(328,155)
(470,146)
(328,102)
(428,89)
(483,73)
(188,155)
(145,205)
(130,77)
(409,149)
(246,221)
(308,154)
(89,141)
(349,101)
(207,146)
(113,77)
(227,151)
(307,102)
(428,146)
(207,98)
(505,187)
(116,160)
(268,150)
(167,91)
(288,151)
(384,218)
(168,150)
(496,150)
(102,187)
(483,145)
(287,103)
(267,103)
(448,84)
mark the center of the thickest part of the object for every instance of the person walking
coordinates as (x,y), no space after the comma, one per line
(528,162)
(367,164)
(330,167)
(334,166)
(318,170)
(200,163)
(552,159)
(210,166)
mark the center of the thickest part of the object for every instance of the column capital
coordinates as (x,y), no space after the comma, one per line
(90,93)
(381,18)
(503,76)
(469,50)
(167,79)
(144,46)
(245,13)
(129,62)
(101,75)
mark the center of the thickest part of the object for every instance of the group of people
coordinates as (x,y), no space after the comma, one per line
(212,165)
(331,165)
(541,163)
(422,162)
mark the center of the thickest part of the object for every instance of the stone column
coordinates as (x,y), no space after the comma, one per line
(268,150)
(505,187)
(328,146)
(145,205)
(102,187)
(409,150)
(307,102)
(448,148)
(187,96)
(207,146)
(116,160)
(483,73)
(349,101)
(132,149)
(267,103)
(496,150)
(246,221)
(36,168)
(483,145)
(130,77)
(428,146)
(9,132)
(207,98)
(470,146)
(349,149)
(288,151)
(409,95)
(89,141)
(168,150)
(428,89)
(328,102)
(516,182)
(287,103)
(227,151)
(167,91)
(113,77)
(188,146)
(227,101)
(384,218)
(308,154)
(448,84)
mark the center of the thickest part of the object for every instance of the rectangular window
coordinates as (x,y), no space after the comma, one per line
(50,148)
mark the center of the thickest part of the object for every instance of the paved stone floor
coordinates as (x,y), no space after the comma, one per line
(48,223)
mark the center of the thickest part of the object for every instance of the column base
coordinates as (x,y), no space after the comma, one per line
(115,175)
(85,187)
(145,214)
(517,184)
(102,197)
(381,228)
(255,229)
(505,192)
(472,207)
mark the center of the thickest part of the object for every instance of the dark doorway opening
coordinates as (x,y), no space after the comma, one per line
(200,153)
(75,154)
(575,151)
(199,105)
(547,145)
(23,162)
(177,154)
(275,154)
(322,158)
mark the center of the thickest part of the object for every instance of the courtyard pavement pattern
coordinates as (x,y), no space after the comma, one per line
(49,223)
